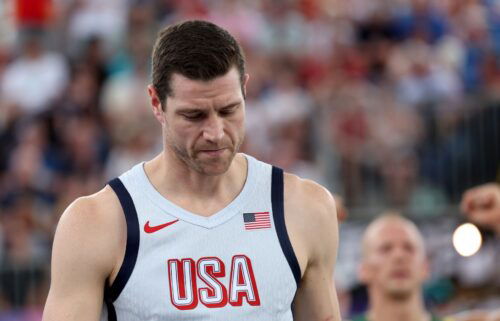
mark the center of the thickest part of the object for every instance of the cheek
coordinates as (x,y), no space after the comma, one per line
(384,269)
(238,127)
(181,133)
(422,269)
(374,271)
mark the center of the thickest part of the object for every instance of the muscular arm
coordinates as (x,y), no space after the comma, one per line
(312,222)
(84,253)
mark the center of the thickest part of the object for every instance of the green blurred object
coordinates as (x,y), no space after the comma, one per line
(439,291)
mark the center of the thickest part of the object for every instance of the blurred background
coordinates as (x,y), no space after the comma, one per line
(391,104)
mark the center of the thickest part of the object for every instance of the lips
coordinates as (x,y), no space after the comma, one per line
(400,274)
(213,152)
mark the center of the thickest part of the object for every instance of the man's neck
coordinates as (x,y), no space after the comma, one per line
(195,191)
(384,308)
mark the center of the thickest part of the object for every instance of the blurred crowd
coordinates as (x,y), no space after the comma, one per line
(390,103)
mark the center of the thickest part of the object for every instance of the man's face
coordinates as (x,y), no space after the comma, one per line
(394,259)
(203,121)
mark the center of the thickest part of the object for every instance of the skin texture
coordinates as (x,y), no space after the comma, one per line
(200,170)
(311,220)
(89,241)
(393,268)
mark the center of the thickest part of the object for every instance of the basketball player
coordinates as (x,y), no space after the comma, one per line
(394,267)
(200,232)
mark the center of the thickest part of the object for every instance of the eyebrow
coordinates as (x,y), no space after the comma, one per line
(234,104)
(197,109)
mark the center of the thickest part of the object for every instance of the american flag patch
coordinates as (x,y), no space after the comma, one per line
(255,221)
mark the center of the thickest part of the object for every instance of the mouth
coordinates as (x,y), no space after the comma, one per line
(213,152)
(400,274)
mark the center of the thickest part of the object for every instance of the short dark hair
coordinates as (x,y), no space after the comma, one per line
(198,50)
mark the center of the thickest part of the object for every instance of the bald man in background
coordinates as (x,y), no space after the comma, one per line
(394,267)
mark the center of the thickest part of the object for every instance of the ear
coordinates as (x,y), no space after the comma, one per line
(244,85)
(156,104)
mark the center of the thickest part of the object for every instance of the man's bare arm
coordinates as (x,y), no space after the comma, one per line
(314,222)
(86,245)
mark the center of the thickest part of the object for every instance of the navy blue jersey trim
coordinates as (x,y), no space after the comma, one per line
(111,311)
(132,247)
(277,200)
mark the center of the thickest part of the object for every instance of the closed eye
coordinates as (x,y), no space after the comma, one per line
(409,247)
(193,116)
(385,248)
(227,111)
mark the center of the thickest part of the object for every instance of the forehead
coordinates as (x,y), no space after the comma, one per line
(392,231)
(199,93)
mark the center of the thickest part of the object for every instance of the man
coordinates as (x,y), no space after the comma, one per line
(394,267)
(201,232)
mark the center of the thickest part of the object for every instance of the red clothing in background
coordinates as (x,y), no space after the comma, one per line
(33,12)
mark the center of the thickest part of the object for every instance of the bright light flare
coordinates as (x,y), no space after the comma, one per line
(467,239)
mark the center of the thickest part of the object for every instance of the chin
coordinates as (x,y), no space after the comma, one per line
(214,168)
(399,294)
(400,291)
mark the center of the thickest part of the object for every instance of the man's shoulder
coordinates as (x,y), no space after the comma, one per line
(93,213)
(310,216)
(89,240)
(95,204)
(307,195)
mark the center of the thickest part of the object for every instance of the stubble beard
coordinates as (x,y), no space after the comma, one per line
(193,162)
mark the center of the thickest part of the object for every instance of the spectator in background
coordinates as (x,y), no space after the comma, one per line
(22,267)
(33,14)
(25,167)
(394,267)
(124,101)
(424,20)
(36,79)
(88,18)
(481,205)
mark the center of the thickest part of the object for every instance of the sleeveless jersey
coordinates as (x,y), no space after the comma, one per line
(237,264)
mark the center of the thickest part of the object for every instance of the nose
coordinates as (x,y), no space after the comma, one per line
(214,129)
(400,254)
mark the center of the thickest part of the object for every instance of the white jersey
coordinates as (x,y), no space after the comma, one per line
(237,264)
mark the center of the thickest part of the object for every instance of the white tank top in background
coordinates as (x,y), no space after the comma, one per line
(237,264)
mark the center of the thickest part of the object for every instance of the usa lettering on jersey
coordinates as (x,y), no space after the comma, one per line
(193,282)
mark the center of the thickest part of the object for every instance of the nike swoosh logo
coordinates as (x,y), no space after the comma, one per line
(152,229)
